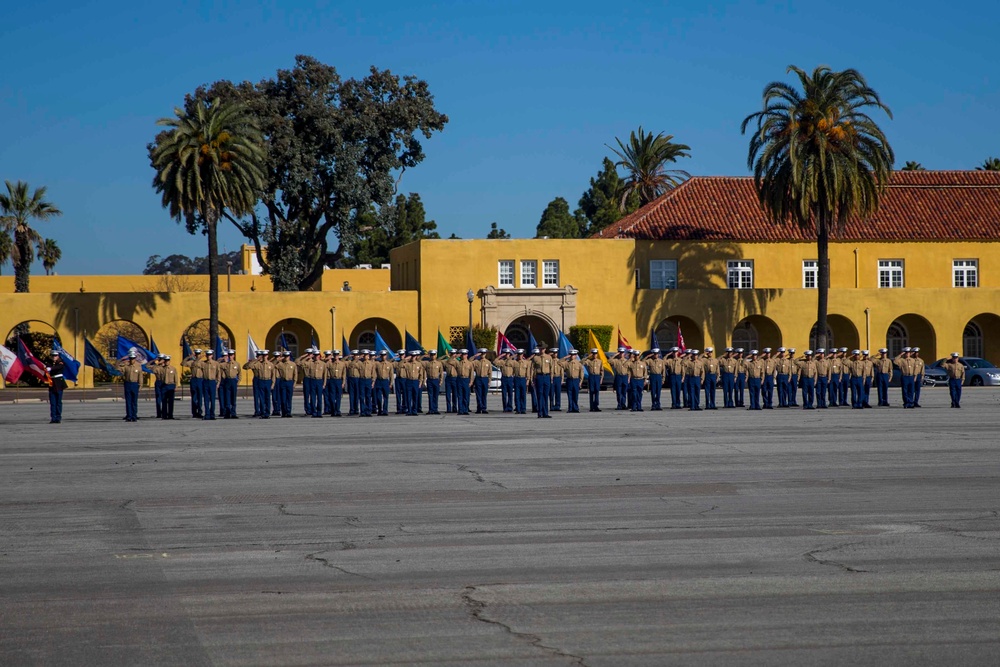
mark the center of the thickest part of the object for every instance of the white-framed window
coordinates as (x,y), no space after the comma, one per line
(505,269)
(890,273)
(972,340)
(662,274)
(810,273)
(965,272)
(896,338)
(550,273)
(529,273)
(740,274)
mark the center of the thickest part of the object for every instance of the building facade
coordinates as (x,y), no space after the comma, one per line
(925,271)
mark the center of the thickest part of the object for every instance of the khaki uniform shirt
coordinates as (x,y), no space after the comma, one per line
(822,368)
(464,369)
(954,369)
(522,368)
(131,372)
(168,375)
(483,368)
(197,367)
(210,368)
(905,365)
(675,366)
(594,366)
(711,365)
(756,368)
(286,370)
(541,364)
(883,365)
(433,369)
(416,370)
(656,366)
(693,367)
(808,368)
(384,369)
(574,369)
(619,366)
(336,369)
(638,370)
(229,370)
(728,365)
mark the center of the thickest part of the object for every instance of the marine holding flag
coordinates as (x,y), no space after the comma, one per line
(57,373)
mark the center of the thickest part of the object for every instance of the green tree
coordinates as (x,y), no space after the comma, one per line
(334,148)
(209,162)
(497,232)
(913,166)
(181,265)
(49,254)
(645,159)
(557,222)
(394,225)
(819,159)
(17,210)
(600,204)
(990,164)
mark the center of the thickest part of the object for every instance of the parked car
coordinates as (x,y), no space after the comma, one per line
(932,377)
(978,372)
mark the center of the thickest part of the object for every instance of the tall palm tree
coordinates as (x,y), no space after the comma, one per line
(17,210)
(645,159)
(818,159)
(209,160)
(49,253)
(990,164)
(913,166)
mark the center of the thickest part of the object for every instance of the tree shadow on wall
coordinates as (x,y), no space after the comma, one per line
(97,308)
(701,293)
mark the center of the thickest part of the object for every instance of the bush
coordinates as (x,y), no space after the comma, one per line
(578,335)
(481,336)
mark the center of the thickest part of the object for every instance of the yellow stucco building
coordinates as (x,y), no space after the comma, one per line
(925,271)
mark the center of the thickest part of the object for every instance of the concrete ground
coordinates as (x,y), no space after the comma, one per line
(719,538)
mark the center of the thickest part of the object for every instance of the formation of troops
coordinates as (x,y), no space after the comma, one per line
(364,379)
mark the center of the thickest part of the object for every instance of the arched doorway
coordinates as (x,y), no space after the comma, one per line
(363,335)
(667,329)
(197,336)
(518,331)
(912,330)
(106,338)
(840,332)
(982,336)
(291,333)
(755,333)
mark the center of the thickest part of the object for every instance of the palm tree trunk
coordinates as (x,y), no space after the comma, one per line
(22,270)
(213,277)
(822,283)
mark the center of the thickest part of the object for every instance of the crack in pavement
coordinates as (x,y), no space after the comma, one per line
(326,563)
(478,477)
(811,557)
(477,609)
(958,532)
(352,521)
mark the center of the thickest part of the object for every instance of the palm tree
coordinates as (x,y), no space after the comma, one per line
(18,209)
(645,159)
(6,246)
(210,160)
(913,166)
(990,164)
(49,253)
(818,159)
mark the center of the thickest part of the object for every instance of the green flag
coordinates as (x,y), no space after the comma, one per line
(443,347)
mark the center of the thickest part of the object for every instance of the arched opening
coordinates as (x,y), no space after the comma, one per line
(37,337)
(292,334)
(987,342)
(912,330)
(363,335)
(668,328)
(755,333)
(197,336)
(518,331)
(106,342)
(840,332)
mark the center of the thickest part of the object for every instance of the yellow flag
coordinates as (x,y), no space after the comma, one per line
(600,350)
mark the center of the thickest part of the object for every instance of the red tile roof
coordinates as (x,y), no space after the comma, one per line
(916,206)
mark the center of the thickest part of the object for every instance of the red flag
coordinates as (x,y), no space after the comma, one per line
(622,341)
(680,338)
(31,363)
(504,345)
(10,366)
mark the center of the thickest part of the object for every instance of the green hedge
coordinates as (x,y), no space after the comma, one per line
(581,340)
(481,336)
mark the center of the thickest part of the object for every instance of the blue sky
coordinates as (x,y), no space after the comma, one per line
(534,91)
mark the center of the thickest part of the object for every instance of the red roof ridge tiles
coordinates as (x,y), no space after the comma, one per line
(917,206)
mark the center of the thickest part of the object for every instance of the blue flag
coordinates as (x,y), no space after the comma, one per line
(125,346)
(152,346)
(220,351)
(564,345)
(653,342)
(469,342)
(381,345)
(347,348)
(72,370)
(281,342)
(531,343)
(412,343)
(188,352)
(313,341)
(93,358)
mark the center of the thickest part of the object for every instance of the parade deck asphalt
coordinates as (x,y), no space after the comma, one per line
(718,538)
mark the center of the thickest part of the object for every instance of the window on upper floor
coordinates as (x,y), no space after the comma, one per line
(965,272)
(529,273)
(810,273)
(662,274)
(890,273)
(505,268)
(550,273)
(739,274)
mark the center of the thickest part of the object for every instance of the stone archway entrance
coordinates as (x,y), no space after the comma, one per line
(523,329)
(545,311)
